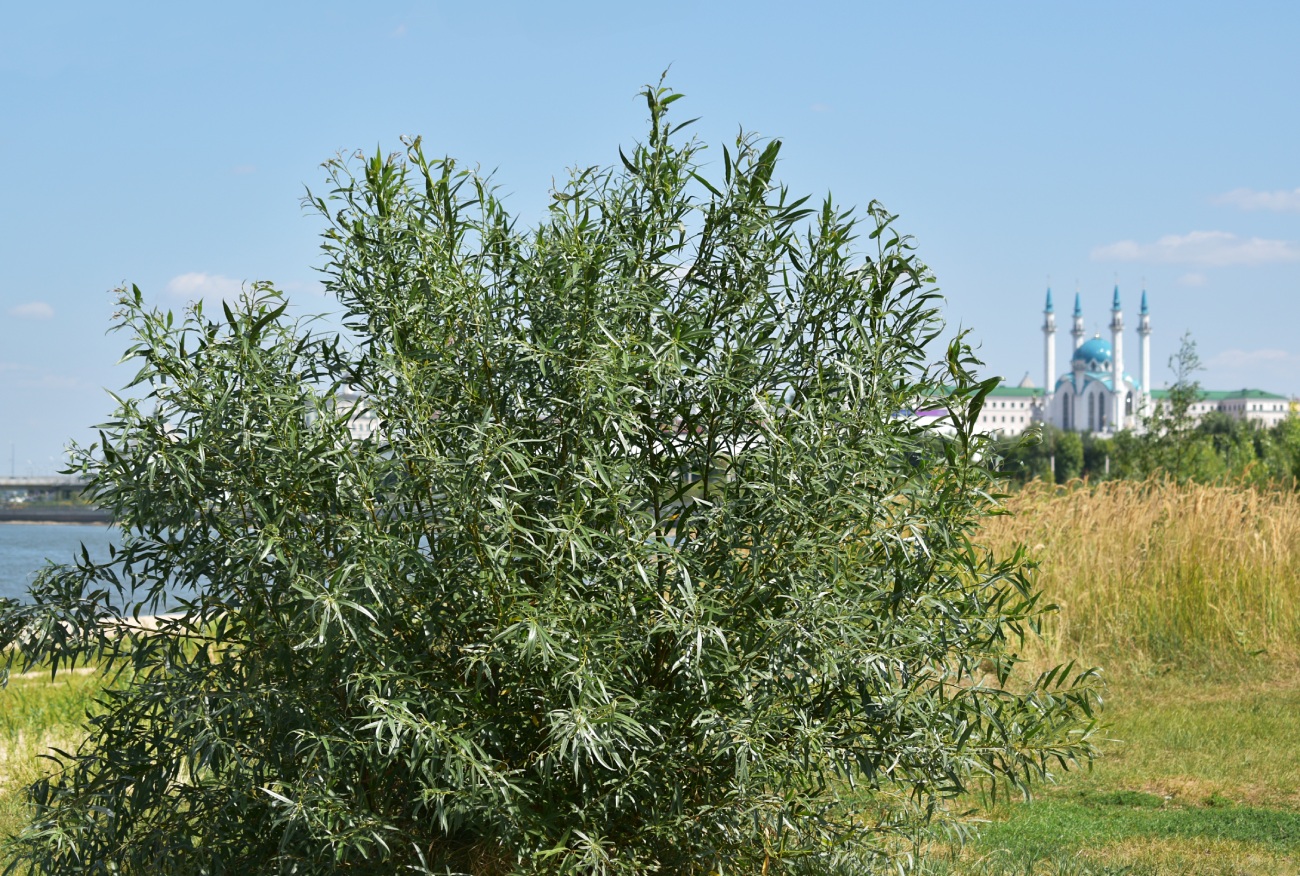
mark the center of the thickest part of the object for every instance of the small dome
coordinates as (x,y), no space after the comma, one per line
(1094,354)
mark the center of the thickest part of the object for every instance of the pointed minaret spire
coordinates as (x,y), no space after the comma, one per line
(1120,391)
(1049,348)
(1078,330)
(1144,354)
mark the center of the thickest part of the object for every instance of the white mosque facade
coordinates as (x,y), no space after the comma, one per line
(1097,394)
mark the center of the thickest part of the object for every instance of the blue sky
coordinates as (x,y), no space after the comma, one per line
(169,145)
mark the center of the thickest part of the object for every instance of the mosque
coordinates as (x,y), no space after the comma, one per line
(1097,395)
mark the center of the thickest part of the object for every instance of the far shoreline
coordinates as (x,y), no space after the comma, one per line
(15,522)
(56,515)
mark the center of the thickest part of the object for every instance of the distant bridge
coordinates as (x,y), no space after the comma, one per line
(69,484)
(61,487)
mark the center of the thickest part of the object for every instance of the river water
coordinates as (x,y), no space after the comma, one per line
(24,548)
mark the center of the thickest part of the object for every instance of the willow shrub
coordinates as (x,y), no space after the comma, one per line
(644,569)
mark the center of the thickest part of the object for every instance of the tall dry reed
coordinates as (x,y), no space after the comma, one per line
(1161,573)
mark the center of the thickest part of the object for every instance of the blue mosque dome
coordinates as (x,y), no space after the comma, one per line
(1094,354)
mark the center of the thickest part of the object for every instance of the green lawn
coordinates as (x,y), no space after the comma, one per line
(1199,776)
(35,715)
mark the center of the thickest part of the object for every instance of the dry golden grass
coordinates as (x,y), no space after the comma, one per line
(1154,573)
(1180,856)
(1138,856)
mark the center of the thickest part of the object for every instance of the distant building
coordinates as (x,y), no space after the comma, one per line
(362,421)
(1097,395)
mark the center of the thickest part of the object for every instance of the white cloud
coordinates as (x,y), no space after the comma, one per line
(1267,358)
(196,284)
(243,169)
(821,107)
(28,377)
(1280,201)
(51,381)
(1212,249)
(1267,368)
(32,310)
(1192,279)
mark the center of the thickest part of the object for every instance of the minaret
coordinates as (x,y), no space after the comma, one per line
(1117,346)
(1144,353)
(1077,331)
(1049,349)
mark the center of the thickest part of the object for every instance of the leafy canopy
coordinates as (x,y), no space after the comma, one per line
(645,568)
